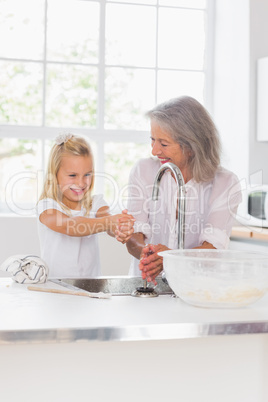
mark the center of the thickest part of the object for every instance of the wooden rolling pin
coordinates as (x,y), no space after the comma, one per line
(99,295)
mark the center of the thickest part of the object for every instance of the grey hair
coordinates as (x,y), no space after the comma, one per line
(190,125)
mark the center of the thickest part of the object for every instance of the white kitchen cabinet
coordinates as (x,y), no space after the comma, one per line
(62,348)
(212,369)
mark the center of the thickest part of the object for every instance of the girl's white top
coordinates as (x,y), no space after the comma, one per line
(210,208)
(68,256)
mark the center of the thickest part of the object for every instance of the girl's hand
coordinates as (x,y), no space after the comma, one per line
(125,228)
(151,264)
(121,226)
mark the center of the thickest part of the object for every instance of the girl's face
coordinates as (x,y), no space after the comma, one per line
(74,179)
(168,150)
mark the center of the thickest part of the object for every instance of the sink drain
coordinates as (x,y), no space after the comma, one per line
(144,292)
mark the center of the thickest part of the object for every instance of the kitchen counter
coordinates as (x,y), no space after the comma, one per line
(63,348)
(31,316)
(255,233)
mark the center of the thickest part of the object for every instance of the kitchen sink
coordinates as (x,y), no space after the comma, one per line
(115,285)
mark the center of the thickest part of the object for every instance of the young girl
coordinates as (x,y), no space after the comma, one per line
(70,216)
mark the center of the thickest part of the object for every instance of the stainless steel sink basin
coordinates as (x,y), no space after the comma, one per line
(115,285)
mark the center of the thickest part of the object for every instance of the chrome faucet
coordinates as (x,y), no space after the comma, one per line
(181,196)
(146,291)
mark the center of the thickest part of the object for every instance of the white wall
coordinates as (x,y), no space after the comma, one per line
(241,37)
(231,82)
(18,235)
(258,156)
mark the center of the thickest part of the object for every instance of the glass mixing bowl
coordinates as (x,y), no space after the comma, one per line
(216,278)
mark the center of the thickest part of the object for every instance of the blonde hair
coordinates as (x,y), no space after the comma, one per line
(74,146)
(191,126)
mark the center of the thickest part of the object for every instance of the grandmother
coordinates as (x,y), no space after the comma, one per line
(183,133)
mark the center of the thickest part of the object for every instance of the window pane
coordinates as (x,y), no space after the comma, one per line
(48,144)
(20,93)
(150,2)
(177,83)
(129,94)
(19,175)
(73,32)
(22,27)
(181,39)
(71,96)
(130,40)
(119,159)
(133,75)
(184,3)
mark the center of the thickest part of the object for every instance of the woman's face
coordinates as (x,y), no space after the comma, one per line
(167,150)
(74,179)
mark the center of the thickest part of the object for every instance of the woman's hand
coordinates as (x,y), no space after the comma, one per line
(124,229)
(151,264)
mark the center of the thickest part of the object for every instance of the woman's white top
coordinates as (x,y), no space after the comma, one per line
(69,256)
(210,208)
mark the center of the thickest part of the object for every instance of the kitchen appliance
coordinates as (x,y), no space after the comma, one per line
(253,210)
(216,278)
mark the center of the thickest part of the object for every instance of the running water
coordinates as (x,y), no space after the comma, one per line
(152,241)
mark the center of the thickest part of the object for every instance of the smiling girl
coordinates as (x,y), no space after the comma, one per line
(70,216)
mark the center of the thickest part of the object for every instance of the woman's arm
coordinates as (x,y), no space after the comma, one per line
(135,244)
(82,226)
(206,245)
(151,264)
(221,208)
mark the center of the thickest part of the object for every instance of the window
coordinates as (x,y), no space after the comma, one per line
(92,68)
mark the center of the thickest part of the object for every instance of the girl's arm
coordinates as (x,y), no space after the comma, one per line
(124,229)
(83,226)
